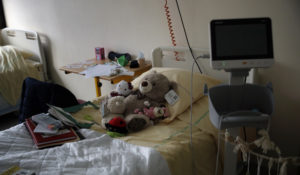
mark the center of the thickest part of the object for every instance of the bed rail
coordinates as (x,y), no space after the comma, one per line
(27,40)
(165,57)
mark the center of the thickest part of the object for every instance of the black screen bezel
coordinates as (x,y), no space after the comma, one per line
(265,21)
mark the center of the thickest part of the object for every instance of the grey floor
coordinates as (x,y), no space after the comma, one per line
(8,120)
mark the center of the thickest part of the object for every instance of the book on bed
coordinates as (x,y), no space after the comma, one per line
(46,140)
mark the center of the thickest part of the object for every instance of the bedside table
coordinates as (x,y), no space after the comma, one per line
(76,68)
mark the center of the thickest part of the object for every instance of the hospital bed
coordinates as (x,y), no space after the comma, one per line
(164,148)
(28,43)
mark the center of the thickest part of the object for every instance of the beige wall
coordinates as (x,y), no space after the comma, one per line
(72,28)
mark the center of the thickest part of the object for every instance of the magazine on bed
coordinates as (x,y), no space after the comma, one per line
(42,140)
(66,118)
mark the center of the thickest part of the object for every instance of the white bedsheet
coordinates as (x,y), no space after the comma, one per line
(97,154)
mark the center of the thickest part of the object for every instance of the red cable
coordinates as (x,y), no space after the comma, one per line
(169,20)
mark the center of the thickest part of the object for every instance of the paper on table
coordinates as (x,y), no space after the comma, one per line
(74,66)
(86,62)
(104,70)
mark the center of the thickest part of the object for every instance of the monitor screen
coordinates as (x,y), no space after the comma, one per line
(241,39)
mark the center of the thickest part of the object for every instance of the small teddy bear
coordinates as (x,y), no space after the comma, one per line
(116,105)
(123,88)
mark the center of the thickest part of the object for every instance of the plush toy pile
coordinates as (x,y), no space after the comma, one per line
(127,110)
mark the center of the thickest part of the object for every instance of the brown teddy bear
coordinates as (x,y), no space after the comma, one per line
(151,92)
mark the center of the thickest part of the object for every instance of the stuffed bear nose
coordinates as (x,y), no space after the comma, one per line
(144,83)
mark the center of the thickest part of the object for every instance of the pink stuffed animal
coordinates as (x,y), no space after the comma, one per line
(150,112)
(154,112)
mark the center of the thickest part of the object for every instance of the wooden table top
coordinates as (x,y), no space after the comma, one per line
(76,68)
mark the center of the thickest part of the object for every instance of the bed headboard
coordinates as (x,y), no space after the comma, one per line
(27,40)
(165,57)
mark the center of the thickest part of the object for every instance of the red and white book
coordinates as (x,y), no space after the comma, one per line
(45,140)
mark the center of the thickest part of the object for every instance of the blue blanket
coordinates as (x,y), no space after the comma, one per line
(37,94)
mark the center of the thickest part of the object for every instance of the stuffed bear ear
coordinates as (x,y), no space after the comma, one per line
(173,85)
